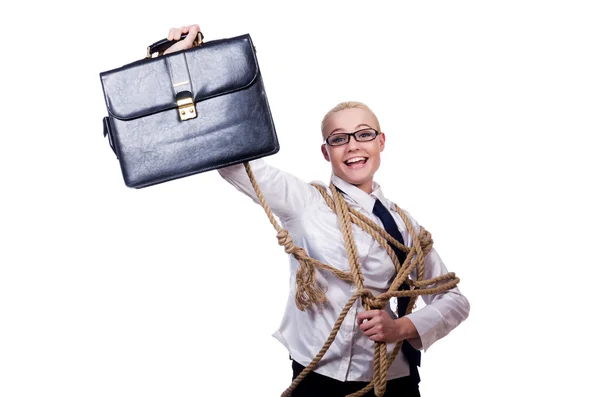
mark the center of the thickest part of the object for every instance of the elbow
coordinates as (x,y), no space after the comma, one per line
(458,306)
(463,306)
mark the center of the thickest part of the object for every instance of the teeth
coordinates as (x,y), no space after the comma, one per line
(355,159)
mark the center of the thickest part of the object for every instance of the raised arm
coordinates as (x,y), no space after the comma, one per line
(286,195)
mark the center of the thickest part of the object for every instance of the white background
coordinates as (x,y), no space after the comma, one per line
(491,114)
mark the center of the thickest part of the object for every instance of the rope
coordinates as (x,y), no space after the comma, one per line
(309,293)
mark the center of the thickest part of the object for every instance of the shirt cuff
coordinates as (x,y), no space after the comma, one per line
(426,321)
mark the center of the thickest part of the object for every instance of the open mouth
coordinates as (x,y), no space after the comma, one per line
(356,162)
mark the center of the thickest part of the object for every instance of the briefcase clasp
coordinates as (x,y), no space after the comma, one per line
(185,106)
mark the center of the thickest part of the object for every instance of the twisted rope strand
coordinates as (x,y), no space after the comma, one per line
(341,208)
(328,342)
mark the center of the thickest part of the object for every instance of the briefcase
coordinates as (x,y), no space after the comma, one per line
(188,112)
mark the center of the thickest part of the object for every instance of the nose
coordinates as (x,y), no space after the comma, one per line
(352,144)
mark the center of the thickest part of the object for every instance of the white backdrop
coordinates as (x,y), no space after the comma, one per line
(490,110)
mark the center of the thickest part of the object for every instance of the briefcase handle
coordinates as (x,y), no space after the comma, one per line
(161,45)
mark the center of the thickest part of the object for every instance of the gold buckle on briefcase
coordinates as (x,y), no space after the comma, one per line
(185,105)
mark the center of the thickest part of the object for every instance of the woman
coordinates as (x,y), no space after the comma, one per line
(352,145)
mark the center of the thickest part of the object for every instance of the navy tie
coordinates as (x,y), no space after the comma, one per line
(412,355)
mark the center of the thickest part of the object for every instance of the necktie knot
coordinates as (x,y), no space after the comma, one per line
(379,209)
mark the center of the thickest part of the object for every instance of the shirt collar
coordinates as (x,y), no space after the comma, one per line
(365,200)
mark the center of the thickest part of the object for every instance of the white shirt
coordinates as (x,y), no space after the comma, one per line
(314,227)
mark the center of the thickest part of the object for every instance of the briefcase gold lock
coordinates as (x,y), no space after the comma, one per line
(185,106)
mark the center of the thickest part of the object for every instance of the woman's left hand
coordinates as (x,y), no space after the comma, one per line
(175,36)
(380,327)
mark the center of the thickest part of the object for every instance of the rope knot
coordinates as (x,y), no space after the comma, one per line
(285,240)
(370,302)
(308,292)
(378,303)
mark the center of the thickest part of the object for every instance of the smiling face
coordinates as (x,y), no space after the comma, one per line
(354,162)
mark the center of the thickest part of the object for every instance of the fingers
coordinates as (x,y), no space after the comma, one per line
(190,29)
(378,326)
(377,338)
(371,323)
(177,35)
(194,30)
(368,325)
(368,320)
(373,330)
(192,33)
(364,316)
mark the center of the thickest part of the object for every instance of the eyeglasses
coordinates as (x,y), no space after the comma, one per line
(339,139)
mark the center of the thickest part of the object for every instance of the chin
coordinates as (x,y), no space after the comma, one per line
(354,180)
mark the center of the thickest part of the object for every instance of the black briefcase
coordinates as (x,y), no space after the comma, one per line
(188,112)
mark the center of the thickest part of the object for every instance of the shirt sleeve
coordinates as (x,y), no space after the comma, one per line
(286,195)
(443,311)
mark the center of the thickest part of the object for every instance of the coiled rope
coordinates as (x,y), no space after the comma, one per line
(308,292)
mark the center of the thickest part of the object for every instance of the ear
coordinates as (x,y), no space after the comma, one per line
(381,142)
(324,151)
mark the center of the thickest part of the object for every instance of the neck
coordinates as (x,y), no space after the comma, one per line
(366,187)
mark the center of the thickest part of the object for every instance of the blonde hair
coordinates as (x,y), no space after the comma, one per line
(348,105)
